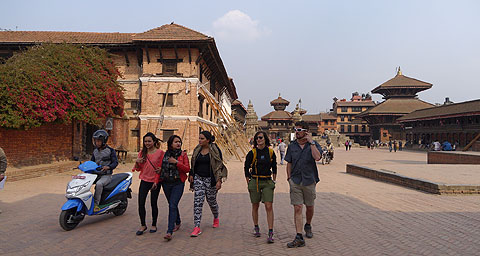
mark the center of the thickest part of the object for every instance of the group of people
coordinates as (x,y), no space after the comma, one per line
(394,145)
(206,173)
(348,145)
(170,169)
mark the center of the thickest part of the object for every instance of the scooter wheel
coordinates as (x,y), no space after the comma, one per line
(121,208)
(65,216)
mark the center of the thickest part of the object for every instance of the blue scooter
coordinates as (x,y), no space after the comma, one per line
(80,199)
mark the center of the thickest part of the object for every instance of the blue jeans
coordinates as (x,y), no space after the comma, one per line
(173,193)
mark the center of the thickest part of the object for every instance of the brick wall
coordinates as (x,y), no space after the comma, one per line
(45,144)
(452,158)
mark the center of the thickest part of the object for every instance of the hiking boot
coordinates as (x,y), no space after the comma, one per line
(256,231)
(177,227)
(216,223)
(196,232)
(270,238)
(308,230)
(297,242)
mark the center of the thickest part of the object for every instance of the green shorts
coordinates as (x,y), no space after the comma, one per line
(302,194)
(265,190)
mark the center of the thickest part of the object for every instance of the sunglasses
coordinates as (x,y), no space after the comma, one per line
(299,129)
(259,137)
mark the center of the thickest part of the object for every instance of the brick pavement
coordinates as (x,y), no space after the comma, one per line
(354,216)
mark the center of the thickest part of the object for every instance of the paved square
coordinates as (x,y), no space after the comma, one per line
(353,216)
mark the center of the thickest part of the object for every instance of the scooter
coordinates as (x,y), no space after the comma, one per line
(80,199)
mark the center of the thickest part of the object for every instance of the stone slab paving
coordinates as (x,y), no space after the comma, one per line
(353,216)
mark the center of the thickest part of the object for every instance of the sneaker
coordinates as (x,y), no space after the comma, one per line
(168,237)
(256,231)
(196,232)
(308,230)
(216,223)
(270,238)
(177,227)
(297,242)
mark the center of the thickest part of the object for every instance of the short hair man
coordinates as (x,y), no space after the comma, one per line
(302,176)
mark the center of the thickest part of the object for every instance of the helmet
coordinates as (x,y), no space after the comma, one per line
(101,135)
(328,142)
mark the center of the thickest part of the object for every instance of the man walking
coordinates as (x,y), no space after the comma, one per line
(281,148)
(302,176)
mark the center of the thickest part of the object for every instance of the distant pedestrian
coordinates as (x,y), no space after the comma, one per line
(395,146)
(390,145)
(3,166)
(282,147)
(350,143)
(346,145)
(400,145)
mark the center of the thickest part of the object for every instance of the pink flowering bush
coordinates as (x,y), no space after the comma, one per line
(58,83)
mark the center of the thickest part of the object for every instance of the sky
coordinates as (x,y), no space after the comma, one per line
(308,50)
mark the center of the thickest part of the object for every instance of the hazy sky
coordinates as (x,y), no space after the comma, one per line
(313,50)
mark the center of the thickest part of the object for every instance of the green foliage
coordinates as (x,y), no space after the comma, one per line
(58,83)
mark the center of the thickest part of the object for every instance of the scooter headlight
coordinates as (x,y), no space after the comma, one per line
(76,189)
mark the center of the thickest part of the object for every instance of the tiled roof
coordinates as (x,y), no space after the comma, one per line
(278,114)
(279,100)
(312,118)
(328,116)
(396,106)
(403,81)
(64,37)
(170,32)
(462,108)
(368,103)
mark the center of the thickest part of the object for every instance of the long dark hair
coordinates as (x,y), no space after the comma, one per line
(208,135)
(170,141)
(265,137)
(156,142)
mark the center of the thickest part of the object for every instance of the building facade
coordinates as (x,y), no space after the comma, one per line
(174,80)
(347,121)
(457,123)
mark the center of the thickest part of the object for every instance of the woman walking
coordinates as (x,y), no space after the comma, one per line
(207,174)
(148,162)
(172,177)
(260,167)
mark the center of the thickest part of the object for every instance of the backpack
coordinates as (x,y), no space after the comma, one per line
(254,162)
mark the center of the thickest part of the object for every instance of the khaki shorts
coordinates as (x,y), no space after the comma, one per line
(265,190)
(302,194)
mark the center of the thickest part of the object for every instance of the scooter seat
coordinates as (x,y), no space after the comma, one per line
(116,179)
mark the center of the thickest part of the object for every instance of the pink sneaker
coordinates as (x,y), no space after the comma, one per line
(216,223)
(196,232)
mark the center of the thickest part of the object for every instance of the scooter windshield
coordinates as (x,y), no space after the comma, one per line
(88,166)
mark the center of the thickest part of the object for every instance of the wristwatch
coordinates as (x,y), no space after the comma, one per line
(312,143)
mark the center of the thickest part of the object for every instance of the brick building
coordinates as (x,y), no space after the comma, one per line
(319,123)
(346,114)
(169,74)
(458,122)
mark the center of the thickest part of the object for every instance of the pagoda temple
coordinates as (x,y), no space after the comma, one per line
(400,94)
(279,122)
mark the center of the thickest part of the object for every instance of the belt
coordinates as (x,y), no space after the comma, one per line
(260,176)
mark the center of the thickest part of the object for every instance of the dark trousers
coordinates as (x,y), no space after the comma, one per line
(142,198)
(173,193)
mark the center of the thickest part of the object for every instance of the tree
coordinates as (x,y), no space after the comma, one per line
(58,83)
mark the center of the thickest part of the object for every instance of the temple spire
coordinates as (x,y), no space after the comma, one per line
(399,71)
